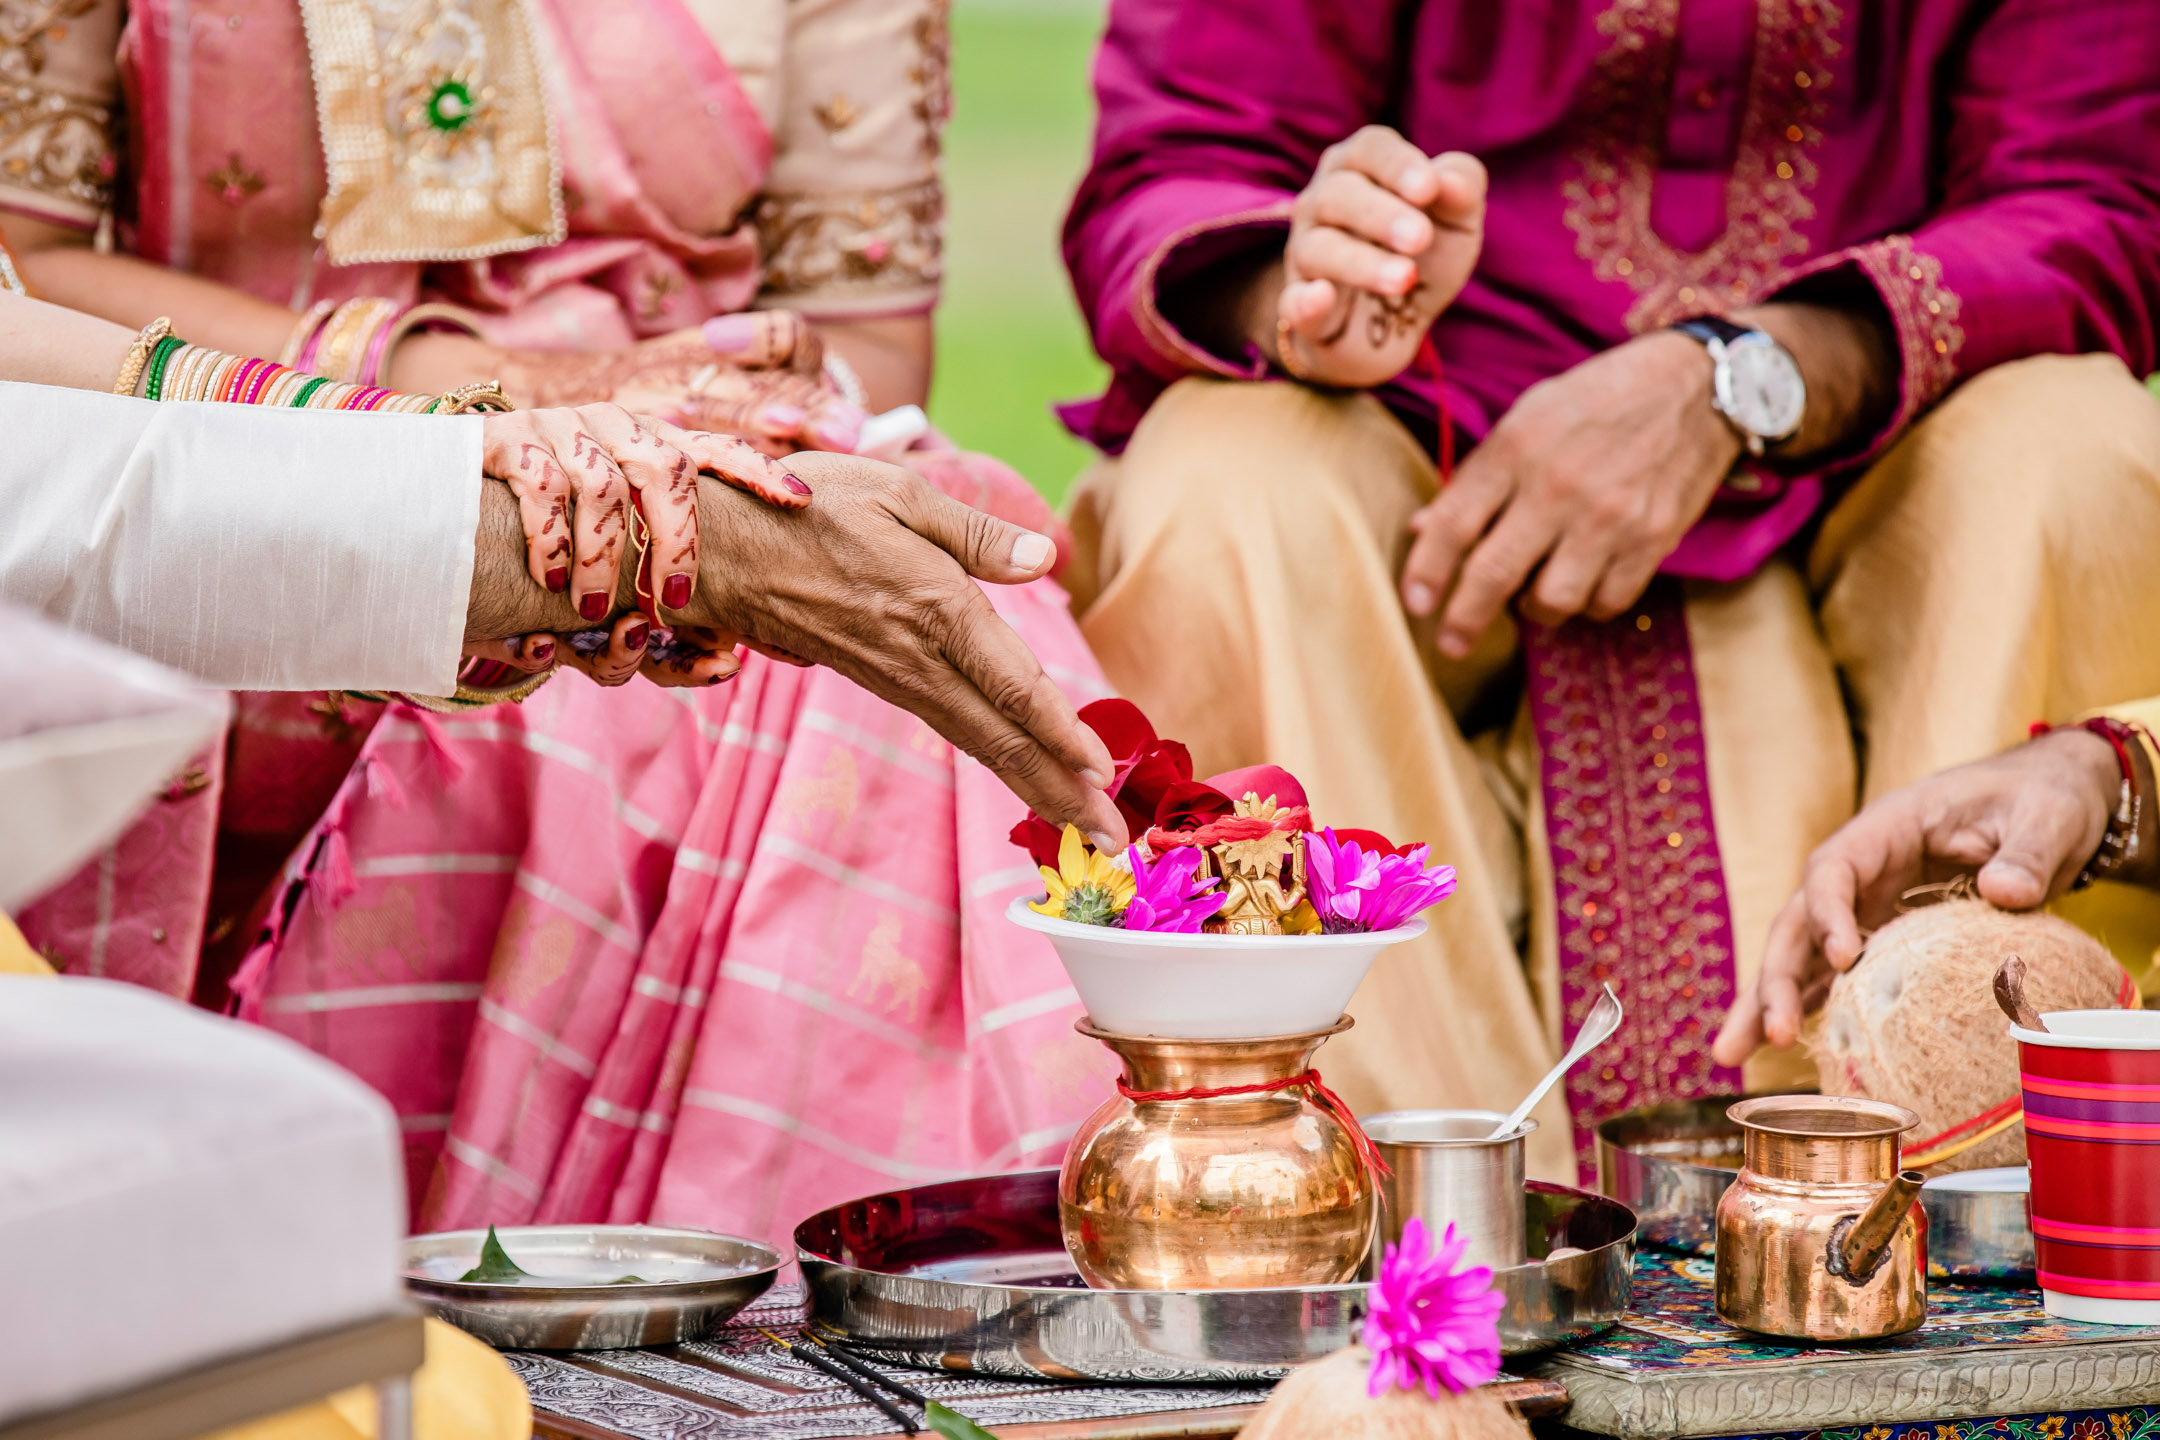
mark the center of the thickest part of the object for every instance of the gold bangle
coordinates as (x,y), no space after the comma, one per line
(346,335)
(196,362)
(480,397)
(303,331)
(139,355)
(402,328)
(11,278)
(179,371)
(221,376)
(279,392)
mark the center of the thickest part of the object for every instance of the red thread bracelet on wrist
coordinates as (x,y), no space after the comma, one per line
(2119,842)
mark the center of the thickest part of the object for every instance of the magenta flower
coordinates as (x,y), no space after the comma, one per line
(1356,888)
(1165,899)
(1429,1323)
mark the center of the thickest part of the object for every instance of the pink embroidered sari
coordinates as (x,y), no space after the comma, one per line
(718,958)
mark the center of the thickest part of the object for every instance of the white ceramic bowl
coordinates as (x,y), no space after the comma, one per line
(1211,987)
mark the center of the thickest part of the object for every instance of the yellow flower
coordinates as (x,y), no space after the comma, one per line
(1085,888)
(1302,919)
(2052,1427)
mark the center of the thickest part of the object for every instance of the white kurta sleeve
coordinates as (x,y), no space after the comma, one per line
(253,548)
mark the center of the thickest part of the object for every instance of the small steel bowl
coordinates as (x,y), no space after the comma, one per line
(709,1278)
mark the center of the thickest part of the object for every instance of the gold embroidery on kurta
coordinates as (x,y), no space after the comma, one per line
(1608,204)
(932,73)
(1923,310)
(859,242)
(837,113)
(50,142)
(435,129)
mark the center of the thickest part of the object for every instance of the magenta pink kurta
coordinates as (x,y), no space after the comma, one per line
(1992,169)
(1989,171)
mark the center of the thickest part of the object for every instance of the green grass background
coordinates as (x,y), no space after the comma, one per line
(1010,340)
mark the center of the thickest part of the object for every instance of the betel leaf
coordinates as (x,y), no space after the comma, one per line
(495,1267)
(952,1424)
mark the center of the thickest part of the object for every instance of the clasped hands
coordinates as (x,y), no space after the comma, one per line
(1589,480)
(826,559)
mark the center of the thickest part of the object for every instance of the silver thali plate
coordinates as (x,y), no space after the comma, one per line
(690,1281)
(972,1275)
(1670,1164)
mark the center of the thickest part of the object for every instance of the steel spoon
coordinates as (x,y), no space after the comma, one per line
(1604,1019)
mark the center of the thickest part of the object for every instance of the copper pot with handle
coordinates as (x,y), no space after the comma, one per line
(1820,1238)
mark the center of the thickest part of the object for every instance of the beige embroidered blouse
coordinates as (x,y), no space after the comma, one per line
(855,93)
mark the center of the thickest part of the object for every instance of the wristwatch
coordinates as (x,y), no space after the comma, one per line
(1756,384)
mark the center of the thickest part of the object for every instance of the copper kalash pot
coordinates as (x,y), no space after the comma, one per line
(1215,1193)
(1820,1238)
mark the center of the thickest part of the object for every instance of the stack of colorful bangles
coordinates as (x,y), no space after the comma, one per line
(162,366)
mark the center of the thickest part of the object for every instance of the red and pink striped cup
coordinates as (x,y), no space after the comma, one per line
(2091,1087)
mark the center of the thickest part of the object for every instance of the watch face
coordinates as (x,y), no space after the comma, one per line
(1765,394)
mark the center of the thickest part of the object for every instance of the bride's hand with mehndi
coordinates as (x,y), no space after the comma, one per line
(758,375)
(580,476)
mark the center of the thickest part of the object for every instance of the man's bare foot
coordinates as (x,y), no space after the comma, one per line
(1381,241)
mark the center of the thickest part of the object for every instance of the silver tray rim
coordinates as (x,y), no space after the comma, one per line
(1328,1316)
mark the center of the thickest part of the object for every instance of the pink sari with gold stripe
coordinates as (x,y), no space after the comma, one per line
(715,959)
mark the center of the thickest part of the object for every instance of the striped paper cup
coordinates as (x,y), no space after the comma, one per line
(2091,1090)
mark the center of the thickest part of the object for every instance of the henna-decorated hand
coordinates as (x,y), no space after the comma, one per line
(573,472)
(1381,241)
(758,375)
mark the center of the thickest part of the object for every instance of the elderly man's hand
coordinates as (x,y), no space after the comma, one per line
(1381,241)
(2026,820)
(1587,483)
(872,579)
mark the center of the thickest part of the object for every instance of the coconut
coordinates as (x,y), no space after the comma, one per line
(1914,1022)
(1327,1400)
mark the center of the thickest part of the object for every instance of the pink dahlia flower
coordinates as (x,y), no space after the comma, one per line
(1429,1323)
(1165,899)
(1355,888)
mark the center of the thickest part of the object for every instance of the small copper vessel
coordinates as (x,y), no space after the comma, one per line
(1820,1238)
(1227,1193)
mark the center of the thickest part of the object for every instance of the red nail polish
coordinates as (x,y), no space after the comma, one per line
(558,579)
(540,651)
(634,638)
(676,593)
(796,485)
(593,606)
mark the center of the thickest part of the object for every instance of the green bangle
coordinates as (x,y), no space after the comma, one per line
(154,376)
(307,391)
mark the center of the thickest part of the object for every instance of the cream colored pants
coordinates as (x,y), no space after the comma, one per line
(1236,574)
